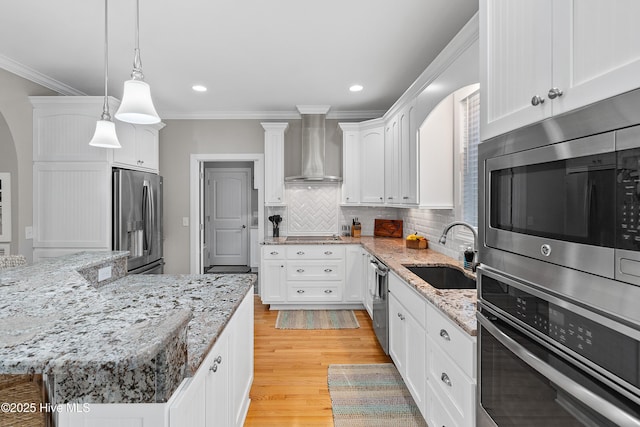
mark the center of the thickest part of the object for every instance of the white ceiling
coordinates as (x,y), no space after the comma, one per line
(257,57)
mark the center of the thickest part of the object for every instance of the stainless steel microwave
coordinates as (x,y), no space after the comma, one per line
(567,192)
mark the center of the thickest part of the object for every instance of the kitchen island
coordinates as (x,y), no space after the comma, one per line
(118,340)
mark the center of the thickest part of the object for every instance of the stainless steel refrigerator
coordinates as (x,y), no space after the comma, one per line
(137,219)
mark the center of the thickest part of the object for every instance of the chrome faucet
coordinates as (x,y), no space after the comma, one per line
(443,240)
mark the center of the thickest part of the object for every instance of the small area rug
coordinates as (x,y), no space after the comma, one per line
(229,269)
(317,319)
(371,396)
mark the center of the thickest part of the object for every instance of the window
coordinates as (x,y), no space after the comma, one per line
(467,140)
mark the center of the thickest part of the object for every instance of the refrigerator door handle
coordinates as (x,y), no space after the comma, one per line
(147,209)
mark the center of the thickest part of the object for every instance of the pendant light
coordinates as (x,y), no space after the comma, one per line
(137,106)
(105,134)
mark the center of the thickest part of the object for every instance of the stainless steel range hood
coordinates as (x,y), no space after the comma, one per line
(313,145)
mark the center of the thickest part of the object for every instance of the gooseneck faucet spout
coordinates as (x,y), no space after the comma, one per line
(443,239)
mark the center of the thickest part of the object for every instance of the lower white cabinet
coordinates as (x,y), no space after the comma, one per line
(435,357)
(407,337)
(311,274)
(218,394)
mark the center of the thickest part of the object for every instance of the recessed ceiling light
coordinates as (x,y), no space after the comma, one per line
(199,88)
(356,88)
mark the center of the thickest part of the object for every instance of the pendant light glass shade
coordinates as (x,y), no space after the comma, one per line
(137,105)
(105,135)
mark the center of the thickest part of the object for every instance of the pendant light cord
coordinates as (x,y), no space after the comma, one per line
(105,106)
(136,74)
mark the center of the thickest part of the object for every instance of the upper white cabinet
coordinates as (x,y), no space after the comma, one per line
(274,162)
(408,158)
(350,163)
(372,165)
(540,58)
(140,148)
(391,162)
(72,180)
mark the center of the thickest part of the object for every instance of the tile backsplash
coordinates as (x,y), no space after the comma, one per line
(314,209)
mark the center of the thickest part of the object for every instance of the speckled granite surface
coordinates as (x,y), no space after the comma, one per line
(132,340)
(459,305)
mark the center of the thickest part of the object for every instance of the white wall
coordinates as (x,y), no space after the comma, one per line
(18,114)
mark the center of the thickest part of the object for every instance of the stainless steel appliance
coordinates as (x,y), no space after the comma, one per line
(545,361)
(559,281)
(379,290)
(137,219)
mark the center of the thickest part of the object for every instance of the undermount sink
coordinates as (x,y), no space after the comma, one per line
(442,277)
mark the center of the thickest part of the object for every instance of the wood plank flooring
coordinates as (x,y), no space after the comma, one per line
(290,369)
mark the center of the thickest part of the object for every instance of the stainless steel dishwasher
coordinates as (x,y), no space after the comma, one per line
(380,293)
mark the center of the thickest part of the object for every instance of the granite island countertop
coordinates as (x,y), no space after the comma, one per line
(458,304)
(130,339)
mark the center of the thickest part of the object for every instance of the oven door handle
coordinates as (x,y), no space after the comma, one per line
(588,398)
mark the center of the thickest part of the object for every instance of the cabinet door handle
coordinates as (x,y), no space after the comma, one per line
(390,198)
(219,359)
(300,291)
(381,198)
(328,253)
(274,253)
(445,335)
(445,379)
(400,316)
(406,197)
(328,270)
(300,253)
(300,270)
(328,291)
(214,367)
(554,93)
(537,100)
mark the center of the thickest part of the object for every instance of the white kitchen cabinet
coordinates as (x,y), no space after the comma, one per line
(436,157)
(71,179)
(273,274)
(218,394)
(532,50)
(254,248)
(354,274)
(408,159)
(451,368)
(274,163)
(372,175)
(407,337)
(392,162)
(369,282)
(140,147)
(351,154)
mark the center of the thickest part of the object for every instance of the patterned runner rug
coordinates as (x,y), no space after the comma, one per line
(316,319)
(371,396)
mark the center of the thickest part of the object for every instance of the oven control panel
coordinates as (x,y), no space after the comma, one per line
(606,347)
(628,200)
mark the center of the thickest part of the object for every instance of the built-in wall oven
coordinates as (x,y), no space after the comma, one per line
(559,280)
(545,361)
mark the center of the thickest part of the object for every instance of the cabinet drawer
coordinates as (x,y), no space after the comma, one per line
(413,302)
(273,252)
(456,343)
(456,390)
(437,415)
(315,270)
(319,292)
(315,252)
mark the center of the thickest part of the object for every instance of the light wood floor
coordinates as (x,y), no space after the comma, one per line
(290,371)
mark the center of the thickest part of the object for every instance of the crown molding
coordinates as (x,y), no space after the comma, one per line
(267,115)
(37,77)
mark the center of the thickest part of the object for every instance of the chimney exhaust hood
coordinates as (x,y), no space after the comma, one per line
(313,145)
